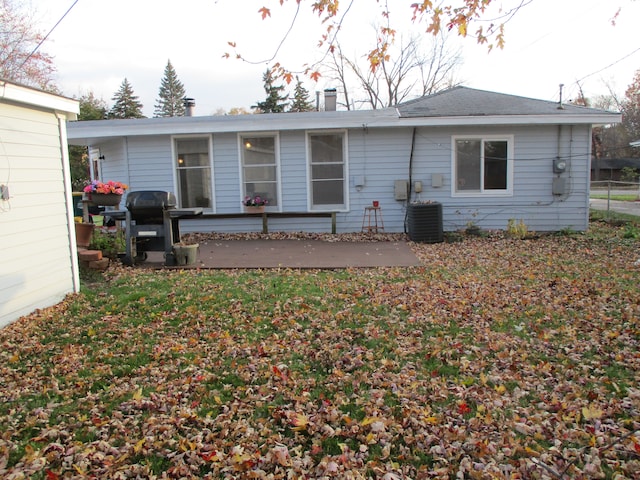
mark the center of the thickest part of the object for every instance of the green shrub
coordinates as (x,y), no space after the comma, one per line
(110,243)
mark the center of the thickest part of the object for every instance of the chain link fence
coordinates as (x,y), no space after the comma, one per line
(615,191)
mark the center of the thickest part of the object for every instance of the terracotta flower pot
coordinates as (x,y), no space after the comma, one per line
(84,232)
(254,209)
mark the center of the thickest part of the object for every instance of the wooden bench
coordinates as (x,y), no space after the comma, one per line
(266,215)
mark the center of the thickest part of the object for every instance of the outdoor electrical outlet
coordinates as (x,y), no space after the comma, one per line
(4,192)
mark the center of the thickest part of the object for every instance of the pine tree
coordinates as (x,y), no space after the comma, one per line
(301,102)
(92,107)
(171,95)
(126,103)
(274,103)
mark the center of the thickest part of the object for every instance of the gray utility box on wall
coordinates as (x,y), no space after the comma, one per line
(401,189)
(559,186)
(424,222)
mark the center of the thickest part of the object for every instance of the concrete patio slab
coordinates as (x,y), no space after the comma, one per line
(296,253)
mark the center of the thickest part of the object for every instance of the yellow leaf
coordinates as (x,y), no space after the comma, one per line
(79,470)
(138,394)
(137,448)
(591,413)
(368,421)
(29,451)
(186,445)
(483,378)
(431,420)
(500,389)
(531,452)
(300,422)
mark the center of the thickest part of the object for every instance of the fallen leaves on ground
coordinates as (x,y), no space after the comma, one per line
(496,359)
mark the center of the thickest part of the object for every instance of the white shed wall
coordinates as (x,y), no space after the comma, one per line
(37,254)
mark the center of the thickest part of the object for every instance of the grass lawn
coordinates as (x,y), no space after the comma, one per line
(621,198)
(499,358)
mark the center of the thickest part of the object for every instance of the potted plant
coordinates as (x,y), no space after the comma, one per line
(106,194)
(254,204)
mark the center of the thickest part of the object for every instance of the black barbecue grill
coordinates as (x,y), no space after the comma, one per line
(151,224)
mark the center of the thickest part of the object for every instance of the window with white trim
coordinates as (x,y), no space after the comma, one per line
(327,162)
(483,165)
(260,167)
(193,172)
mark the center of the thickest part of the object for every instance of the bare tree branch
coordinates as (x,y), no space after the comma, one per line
(407,72)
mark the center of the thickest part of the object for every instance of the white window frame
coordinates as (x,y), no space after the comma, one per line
(174,167)
(276,140)
(345,172)
(482,192)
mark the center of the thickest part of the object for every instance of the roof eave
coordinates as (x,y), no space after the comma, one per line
(84,133)
(32,96)
(102,130)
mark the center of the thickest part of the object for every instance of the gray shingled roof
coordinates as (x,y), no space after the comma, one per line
(455,107)
(469,102)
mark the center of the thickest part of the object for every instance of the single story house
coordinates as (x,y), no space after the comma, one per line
(612,168)
(485,157)
(38,255)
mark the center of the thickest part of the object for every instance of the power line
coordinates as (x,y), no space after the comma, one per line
(47,35)
(609,66)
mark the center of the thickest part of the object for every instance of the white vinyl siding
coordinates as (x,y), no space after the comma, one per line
(38,269)
(380,156)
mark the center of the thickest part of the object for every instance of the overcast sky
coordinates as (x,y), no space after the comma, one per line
(99,43)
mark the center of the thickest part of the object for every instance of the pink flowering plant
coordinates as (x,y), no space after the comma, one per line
(256,201)
(95,186)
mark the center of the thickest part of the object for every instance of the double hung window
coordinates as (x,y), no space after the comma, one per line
(483,165)
(193,172)
(260,167)
(327,164)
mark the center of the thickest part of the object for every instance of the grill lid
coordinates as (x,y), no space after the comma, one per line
(150,200)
